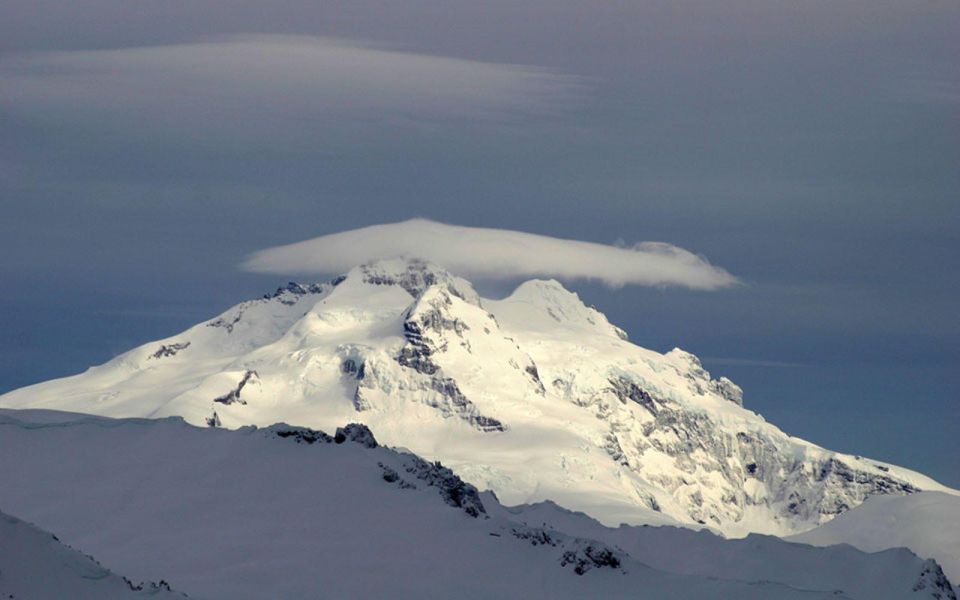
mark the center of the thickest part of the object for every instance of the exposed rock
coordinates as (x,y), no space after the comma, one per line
(391,476)
(234,394)
(628,390)
(150,587)
(415,276)
(535,535)
(301,435)
(355,432)
(170,349)
(350,367)
(729,390)
(583,555)
(426,322)
(353,366)
(287,295)
(453,490)
(228,322)
(423,319)
(700,381)
(590,555)
(360,403)
(701,449)
(534,374)
(843,487)
(934,582)
(292,292)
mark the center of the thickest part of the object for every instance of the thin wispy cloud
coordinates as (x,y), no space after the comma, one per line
(272,84)
(495,254)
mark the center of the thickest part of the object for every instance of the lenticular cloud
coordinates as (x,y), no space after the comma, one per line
(494,253)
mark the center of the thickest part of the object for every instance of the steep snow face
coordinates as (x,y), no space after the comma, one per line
(545,305)
(291,512)
(534,396)
(35,565)
(928,523)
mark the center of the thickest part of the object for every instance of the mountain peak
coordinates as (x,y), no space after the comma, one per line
(414,275)
(700,378)
(561,307)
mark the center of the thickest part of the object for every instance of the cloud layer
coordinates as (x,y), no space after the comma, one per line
(494,254)
(271,85)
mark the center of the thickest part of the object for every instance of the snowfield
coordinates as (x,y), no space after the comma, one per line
(289,512)
(35,565)
(928,523)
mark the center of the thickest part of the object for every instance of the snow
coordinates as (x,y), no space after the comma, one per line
(35,565)
(888,574)
(535,397)
(928,523)
(287,512)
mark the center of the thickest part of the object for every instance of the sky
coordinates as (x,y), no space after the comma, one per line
(809,149)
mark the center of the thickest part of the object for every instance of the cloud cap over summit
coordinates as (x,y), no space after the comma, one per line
(495,253)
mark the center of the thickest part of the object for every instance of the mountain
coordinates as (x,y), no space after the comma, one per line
(535,396)
(35,565)
(291,512)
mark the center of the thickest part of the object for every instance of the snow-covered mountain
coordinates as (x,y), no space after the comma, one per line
(290,512)
(536,397)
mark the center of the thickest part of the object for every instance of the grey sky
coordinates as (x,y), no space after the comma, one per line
(811,149)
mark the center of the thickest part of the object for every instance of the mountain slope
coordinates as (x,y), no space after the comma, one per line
(34,565)
(928,523)
(286,512)
(891,573)
(534,396)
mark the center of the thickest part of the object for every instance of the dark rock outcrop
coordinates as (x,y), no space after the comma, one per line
(356,432)
(426,324)
(454,491)
(170,349)
(933,580)
(234,395)
(590,556)
(291,293)
(301,435)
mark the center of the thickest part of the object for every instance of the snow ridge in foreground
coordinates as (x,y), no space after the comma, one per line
(289,511)
(35,565)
